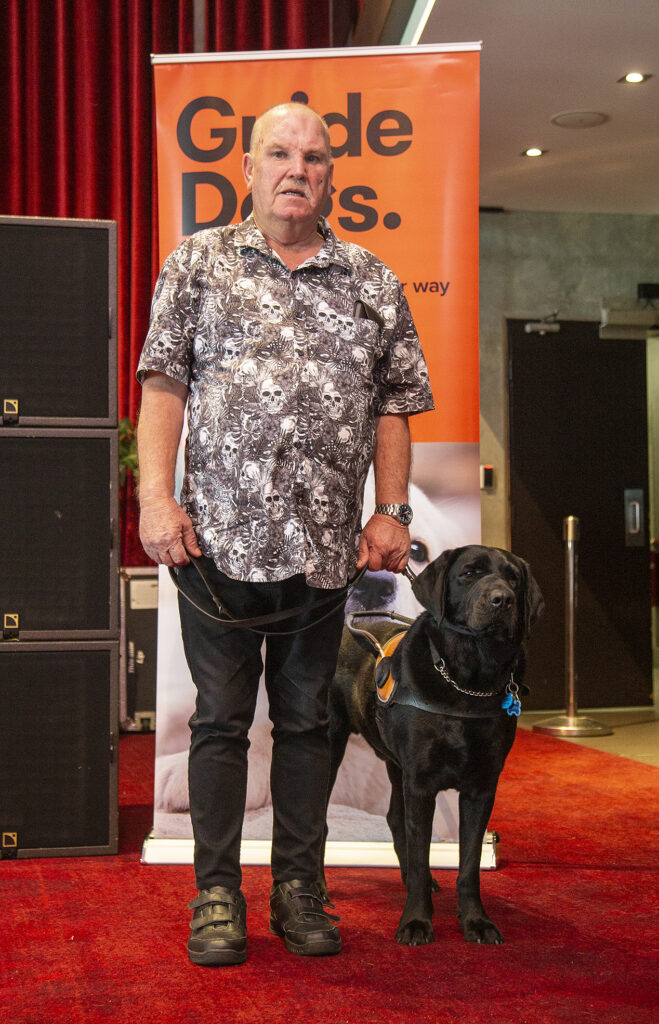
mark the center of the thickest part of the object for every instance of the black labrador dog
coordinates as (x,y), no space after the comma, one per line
(441,711)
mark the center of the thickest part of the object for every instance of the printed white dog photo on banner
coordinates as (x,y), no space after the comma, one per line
(444,495)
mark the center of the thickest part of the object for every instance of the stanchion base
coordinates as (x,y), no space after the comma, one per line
(568,725)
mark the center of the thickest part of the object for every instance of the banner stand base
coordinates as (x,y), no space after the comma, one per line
(338,854)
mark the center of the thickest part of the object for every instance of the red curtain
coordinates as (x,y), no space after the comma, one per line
(77,135)
(270,24)
(76,138)
(76,141)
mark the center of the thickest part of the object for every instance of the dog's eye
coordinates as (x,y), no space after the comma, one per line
(419,552)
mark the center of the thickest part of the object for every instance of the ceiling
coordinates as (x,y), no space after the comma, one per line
(546,57)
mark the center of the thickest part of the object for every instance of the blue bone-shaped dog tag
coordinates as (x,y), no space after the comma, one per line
(511,705)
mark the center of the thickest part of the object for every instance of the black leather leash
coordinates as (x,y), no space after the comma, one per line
(263,620)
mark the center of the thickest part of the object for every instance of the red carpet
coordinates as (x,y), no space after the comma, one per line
(102,939)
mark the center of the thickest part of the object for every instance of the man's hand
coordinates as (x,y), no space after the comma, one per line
(384,544)
(166,532)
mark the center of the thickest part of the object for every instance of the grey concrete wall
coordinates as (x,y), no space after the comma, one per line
(530,265)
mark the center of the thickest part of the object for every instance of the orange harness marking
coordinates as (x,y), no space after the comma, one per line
(384,692)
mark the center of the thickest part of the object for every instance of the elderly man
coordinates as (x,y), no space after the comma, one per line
(297,356)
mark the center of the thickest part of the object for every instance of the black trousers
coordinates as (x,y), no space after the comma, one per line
(226,665)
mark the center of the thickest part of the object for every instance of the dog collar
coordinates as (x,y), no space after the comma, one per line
(510,703)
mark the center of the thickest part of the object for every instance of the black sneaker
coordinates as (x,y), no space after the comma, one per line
(218,928)
(297,915)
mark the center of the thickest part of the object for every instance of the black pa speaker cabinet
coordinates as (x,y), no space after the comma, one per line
(59,545)
(58,322)
(58,749)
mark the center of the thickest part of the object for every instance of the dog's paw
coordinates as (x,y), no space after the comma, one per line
(481,930)
(415,933)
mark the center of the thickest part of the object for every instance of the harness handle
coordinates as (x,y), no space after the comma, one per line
(374,642)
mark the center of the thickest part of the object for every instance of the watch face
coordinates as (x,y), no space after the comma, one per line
(405,514)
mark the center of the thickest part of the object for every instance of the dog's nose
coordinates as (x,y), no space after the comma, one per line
(375,590)
(501,598)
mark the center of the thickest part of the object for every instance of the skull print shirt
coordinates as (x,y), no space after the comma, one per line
(287,372)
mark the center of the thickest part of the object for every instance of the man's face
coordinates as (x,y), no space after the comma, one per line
(289,173)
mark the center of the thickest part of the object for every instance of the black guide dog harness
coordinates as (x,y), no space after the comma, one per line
(389,690)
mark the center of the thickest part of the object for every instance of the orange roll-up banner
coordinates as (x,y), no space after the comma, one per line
(404,132)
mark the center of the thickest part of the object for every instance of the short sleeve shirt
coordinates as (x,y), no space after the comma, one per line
(287,372)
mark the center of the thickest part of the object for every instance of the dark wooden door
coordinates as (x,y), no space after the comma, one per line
(578,442)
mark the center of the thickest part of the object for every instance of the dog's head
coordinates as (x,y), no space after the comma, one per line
(481,589)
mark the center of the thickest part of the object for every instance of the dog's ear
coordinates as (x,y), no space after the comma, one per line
(534,602)
(429,587)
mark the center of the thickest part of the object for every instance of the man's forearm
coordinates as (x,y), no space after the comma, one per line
(384,542)
(158,435)
(166,531)
(391,462)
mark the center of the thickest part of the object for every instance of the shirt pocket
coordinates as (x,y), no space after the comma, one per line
(360,348)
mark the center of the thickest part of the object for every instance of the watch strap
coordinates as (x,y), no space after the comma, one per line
(402,512)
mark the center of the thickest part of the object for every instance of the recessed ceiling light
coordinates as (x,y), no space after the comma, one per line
(534,151)
(634,78)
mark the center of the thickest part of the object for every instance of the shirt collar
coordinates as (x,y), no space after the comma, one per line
(248,236)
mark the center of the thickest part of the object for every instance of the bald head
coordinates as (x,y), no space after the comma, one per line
(271,117)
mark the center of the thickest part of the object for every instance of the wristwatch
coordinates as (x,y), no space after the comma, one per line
(403,513)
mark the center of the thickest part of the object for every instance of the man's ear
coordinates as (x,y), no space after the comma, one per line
(248,169)
(429,587)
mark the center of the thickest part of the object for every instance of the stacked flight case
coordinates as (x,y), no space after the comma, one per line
(139,649)
(59,539)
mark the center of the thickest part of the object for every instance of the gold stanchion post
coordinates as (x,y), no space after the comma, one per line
(571,723)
